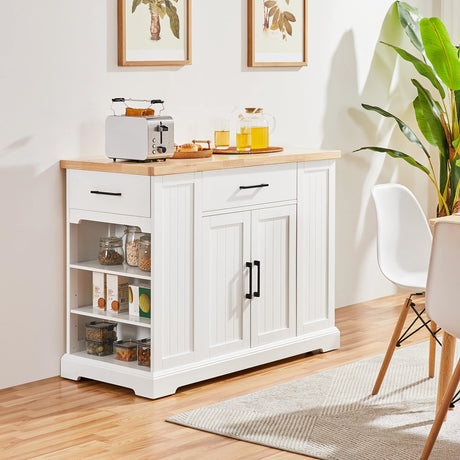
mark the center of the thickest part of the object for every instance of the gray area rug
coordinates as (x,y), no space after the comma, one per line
(331,415)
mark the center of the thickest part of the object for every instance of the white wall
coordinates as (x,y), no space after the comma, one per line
(58,73)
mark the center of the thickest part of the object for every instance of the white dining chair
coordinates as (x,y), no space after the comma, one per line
(403,250)
(442,306)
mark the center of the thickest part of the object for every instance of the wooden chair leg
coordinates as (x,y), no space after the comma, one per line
(441,414)
(432,355)
(446,365)
(392,345)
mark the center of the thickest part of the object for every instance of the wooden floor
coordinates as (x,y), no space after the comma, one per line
(62,419)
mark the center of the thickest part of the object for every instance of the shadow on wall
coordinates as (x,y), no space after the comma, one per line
(348,126)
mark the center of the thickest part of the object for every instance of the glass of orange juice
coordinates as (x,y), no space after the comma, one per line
(222,134)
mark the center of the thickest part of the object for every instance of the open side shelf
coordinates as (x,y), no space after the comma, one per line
(121,270)
(123,317)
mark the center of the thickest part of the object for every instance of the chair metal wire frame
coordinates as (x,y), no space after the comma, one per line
(425,324)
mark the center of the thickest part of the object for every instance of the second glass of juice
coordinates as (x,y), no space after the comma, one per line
(222,134)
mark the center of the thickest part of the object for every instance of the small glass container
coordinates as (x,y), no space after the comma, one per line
(126,350)
(243,134)
(110,250)
(145,253)
(101,330)
(133,235)
(143,352)
(99,348)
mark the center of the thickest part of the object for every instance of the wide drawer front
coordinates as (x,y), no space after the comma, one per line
(249,186)
(109,192)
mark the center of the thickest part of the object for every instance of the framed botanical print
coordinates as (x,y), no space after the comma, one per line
(154,32)
(277,33)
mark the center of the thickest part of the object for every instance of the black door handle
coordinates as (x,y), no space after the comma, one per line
(257,264)
(97,192)
(249,265)
(244,187)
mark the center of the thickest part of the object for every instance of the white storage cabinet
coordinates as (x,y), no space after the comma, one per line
(242,269)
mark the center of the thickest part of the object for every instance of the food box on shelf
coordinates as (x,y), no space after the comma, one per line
(143,352)
(99,331)
(144,302)
(99,289)
(99,348)
(134,296)
(126,350)
(117,293)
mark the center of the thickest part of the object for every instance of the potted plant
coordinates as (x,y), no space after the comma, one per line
(436,109)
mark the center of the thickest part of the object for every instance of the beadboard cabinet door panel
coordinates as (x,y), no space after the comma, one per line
(226,241)
(173,236)
(315,240)
(273,251)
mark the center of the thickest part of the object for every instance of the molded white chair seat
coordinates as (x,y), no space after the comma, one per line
(403,250)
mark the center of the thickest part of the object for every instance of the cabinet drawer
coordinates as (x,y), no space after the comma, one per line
(109,192)
(231,188)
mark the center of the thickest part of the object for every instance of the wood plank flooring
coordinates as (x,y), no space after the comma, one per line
(61,419)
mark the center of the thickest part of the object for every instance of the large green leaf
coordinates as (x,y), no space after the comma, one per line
(422,68)
(406,130)
(397,154)
(428,114)
(440,51)
(410,18)
(174,22)
(136,3)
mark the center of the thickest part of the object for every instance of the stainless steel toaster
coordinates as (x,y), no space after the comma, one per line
(139,138)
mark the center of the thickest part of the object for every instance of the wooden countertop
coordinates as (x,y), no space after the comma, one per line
(218,161)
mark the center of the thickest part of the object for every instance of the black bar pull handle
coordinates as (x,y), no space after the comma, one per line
(249,265)
(98,192)
(257,264)
(244,187)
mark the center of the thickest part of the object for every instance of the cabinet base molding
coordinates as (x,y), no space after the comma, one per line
(166,382)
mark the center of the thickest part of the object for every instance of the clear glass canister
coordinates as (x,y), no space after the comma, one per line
(110,250)
(262,125)
(133,235)
(145,252)
(243,134)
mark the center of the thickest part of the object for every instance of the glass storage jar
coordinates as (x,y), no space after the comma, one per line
(110,250)
(144,252)
(143,352)
(133,235)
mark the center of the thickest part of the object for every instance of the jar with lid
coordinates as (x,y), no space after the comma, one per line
(145,252)
(262,125)
(110,250)
(133,235)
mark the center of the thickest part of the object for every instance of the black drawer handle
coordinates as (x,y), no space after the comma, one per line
(98,192)
(249,265)
(244,187)
(257,264)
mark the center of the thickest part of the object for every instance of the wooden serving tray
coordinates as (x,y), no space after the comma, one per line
(199,154)
(233,150)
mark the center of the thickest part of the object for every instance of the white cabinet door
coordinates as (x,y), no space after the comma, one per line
(315,240)
(273,251)
(226,240)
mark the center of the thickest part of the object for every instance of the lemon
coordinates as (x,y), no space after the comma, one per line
(130,295)
(144,303)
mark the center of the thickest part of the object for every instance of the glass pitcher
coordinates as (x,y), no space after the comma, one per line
(262,125)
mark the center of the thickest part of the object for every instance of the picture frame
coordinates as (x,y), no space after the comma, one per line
(277,33)
(155,33)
